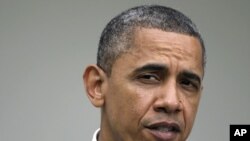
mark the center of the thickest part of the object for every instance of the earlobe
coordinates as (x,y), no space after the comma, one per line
(94,81)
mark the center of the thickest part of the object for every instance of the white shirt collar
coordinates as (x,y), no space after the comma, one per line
(95,135)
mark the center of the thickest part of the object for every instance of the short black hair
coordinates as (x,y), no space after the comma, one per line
(117,36)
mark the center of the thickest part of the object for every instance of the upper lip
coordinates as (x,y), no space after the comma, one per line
(164,126)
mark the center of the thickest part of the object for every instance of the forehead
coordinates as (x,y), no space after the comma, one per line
(157,46)
(158,40)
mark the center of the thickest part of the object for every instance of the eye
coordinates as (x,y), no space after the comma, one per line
(148,78)
(188,84)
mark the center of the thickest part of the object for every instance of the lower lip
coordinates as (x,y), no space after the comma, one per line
(163,136)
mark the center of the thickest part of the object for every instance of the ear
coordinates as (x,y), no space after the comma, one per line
(95,84)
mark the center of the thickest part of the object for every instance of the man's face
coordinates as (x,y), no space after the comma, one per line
(154,88)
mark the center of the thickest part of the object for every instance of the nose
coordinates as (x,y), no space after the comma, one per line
(168,100)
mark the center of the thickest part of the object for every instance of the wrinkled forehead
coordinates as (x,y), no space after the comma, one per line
(156,40)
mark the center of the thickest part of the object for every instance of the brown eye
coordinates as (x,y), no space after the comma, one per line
(148,78)
(187,84)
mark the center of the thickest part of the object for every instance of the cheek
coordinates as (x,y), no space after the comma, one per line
(136,102)
(119,109)
(127,104)
(190,109)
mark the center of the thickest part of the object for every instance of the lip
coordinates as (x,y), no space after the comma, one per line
(164,131)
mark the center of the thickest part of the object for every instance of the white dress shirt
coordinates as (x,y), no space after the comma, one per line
(95,135)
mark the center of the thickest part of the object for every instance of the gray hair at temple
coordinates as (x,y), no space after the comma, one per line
(117,36)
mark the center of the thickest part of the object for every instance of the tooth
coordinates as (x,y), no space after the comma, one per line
(164,129)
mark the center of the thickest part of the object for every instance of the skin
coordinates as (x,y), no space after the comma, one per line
(158,80)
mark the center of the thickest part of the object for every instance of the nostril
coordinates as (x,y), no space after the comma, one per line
(168,108)
(160,110)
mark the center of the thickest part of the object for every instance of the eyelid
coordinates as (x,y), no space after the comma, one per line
(143,78)
(195,84)
(159,69)
(191,77)
(148,74)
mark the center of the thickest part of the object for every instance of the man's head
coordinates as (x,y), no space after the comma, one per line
(148,77)
(117,36)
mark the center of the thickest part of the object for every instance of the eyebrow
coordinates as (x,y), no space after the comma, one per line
(164,68)
(191,75)
(151,67)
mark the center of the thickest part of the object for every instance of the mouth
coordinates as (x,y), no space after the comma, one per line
(164,131)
